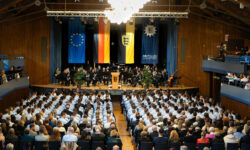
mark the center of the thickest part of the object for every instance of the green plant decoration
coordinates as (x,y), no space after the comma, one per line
(78,77)
(147,78)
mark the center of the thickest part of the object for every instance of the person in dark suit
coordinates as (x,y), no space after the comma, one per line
(246,138)
(189,138)
(160,138)
(98,135)
(154,133)
(218,139)
(26,137)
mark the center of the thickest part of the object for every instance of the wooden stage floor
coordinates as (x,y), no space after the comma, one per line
(105,87)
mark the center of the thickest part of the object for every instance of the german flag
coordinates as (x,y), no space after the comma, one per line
(126,43)
(102,42)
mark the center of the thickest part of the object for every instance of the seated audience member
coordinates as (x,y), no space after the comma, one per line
(10,146)
(32,131)
(143,137)
(189,138)
(11,136)
(60,128)
(27,137)
(43,134)
(116,147)
(84,136)
(154,133)
(246,138)
(183,147)
(98,135)
(4,77)
(174,139)
(55,136)
(114,137)
(218,139)
(247,86)
(2,138)
(230,138)
(160,138)
(202,139)
(98,148)
(70,136)
(239,133)
(211,134)
(246,127)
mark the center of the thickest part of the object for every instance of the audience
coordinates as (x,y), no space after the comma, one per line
(157,116)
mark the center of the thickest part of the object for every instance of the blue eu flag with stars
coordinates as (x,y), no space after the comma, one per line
(76,44)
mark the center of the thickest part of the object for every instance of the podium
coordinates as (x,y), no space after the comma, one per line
(115,80)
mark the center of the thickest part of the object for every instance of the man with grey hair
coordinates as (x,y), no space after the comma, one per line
(10,146)
(116,147)
(69,137)
(183,147)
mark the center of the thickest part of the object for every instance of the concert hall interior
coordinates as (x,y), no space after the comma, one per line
(124,74)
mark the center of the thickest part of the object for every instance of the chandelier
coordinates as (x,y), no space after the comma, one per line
(123,10)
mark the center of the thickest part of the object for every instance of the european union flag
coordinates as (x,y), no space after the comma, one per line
(76,44)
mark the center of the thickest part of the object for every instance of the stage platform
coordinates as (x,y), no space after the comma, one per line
(113,91)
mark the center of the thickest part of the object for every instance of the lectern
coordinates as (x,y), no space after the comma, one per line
(115,80)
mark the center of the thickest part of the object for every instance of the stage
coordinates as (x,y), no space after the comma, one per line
(49,87)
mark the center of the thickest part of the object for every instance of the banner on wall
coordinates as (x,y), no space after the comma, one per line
(126,43)
(150,42)
(76,44)
(102,42)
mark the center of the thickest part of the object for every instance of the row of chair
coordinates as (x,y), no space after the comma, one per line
(192,146)
(55,145)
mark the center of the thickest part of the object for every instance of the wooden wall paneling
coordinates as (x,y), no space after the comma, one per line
(12,98)
(236,106)
(202,38)
(24,38)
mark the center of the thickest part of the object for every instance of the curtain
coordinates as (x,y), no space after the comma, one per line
(172,47)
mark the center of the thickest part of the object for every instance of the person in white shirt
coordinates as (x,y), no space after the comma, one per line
(70,136)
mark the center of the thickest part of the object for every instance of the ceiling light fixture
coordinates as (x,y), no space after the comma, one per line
(123,10)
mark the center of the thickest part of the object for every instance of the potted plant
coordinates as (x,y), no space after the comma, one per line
(146,78)
(78,77)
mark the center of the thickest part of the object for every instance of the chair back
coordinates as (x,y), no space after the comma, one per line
(232,146)
(218,146)
(84,145)
(175,145)
(39,145)
(202,145)
(96,144)
(191,146)
(145,145)
(14,142)
(161,146)
(245,146)
(1,144)
(111,144)
(55,145)
(26,144)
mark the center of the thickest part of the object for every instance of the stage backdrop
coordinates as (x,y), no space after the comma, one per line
(150,42)
(102,42)
(126,43)
(76,44)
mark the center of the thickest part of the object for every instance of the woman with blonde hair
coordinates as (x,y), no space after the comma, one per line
(114,137)
(174,140)
(56,136)
(2,138)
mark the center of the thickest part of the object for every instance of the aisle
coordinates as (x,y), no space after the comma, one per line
(122,125)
